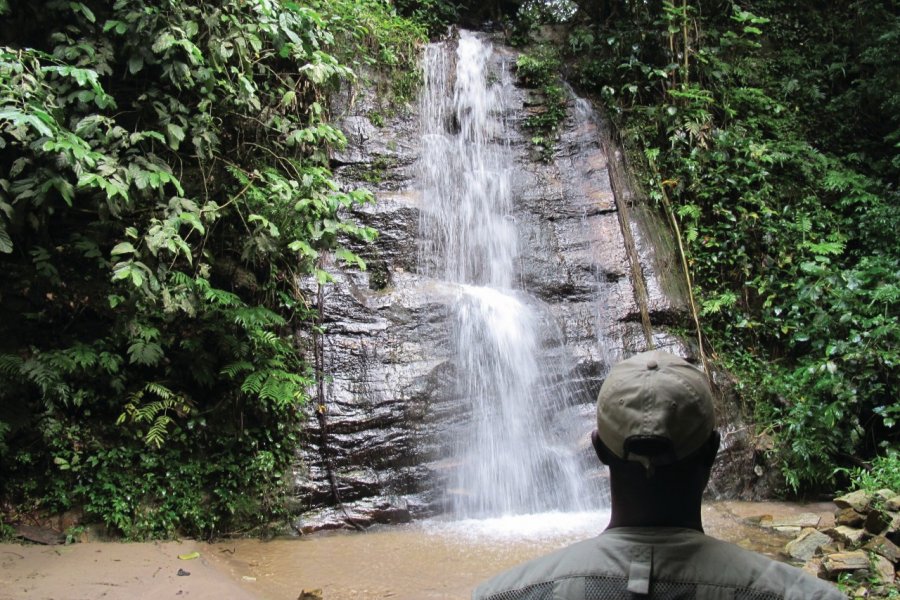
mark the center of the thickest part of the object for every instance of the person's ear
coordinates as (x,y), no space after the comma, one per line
(603,453)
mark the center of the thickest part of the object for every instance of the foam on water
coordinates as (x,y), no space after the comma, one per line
(540,528)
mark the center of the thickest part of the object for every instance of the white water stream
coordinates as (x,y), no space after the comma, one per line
(514,453)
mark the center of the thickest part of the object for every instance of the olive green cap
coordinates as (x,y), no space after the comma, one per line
(655,408)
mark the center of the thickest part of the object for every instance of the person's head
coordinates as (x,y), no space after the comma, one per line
(656,432)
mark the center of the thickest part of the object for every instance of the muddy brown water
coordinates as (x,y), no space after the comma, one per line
(443,560)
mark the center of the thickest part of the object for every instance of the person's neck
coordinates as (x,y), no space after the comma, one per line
(646,509)
(637,520)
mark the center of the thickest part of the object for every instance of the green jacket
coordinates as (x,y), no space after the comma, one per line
(658,563)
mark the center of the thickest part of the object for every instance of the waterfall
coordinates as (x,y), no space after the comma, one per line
(514,452)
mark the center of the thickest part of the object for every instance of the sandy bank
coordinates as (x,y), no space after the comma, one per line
(115,571)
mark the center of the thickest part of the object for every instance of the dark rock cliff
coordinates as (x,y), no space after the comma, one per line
(387,340)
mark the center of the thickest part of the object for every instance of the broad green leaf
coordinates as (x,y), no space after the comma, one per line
(350,257)
(303,248)
(20,118)
(175,135)
(6,245)
(123,248)
(323,277)
(142,352)
(84,10)
(193,220)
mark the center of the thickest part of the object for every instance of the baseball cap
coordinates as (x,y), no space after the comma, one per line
(655,408)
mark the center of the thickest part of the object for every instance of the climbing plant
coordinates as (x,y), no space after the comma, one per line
(539,69)
(164,185)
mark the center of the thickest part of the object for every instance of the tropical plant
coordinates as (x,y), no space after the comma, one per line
(164,186)
(769,134)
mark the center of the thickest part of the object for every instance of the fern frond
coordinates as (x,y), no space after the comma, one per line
(254,382)
(156,435)
(38,372)
(277,391)
(257,316)
(110,362)
(146,353)
(156,412)
(159,390)
(60,361)
(231,370)
(803,222)
(10,364)
(181,279)
(82,356)
(221,297)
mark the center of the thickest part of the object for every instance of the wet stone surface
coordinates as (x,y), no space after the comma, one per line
(390,397)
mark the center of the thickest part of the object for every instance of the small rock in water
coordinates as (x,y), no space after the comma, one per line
(315,594)
(787,529)
(785,523)
(183,573)
(762,520)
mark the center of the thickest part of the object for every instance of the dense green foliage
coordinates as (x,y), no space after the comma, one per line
(770,131)
(882,473)
(164,184)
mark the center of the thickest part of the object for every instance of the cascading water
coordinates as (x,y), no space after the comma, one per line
(513,454)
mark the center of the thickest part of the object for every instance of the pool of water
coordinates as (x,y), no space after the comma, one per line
(439,559)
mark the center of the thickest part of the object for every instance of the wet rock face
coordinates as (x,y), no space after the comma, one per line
(387,342)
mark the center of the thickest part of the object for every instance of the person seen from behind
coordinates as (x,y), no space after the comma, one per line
(656,433)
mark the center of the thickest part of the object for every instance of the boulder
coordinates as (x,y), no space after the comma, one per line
(38,535)
(884,569)
(885,494)
(813,566)
(858,500)
(849,518)
(388,514)
(884,547)
(893,530)
(849,536)
(893,503)
(805,546)
(841,562)
(878,521)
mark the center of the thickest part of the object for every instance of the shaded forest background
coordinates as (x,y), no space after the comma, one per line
(165,182)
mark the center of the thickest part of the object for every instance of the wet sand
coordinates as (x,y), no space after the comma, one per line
(421,561)
(115,571)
